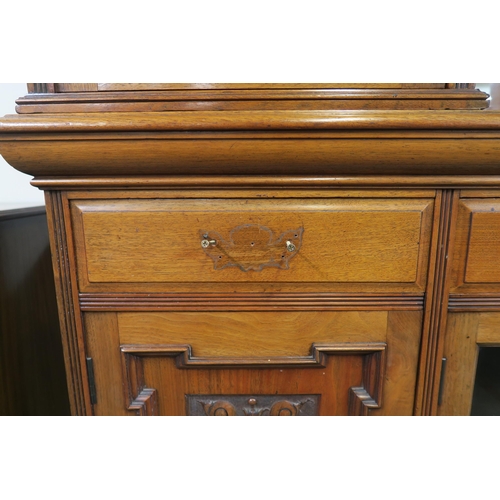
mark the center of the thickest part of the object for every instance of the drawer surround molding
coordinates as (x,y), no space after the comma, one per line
(248,301)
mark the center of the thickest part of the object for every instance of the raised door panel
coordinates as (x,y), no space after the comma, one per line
(477,247)
(254,363)
(207,244)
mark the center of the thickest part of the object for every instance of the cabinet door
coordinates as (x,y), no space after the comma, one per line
(283,363)
(470,381)
(471,376)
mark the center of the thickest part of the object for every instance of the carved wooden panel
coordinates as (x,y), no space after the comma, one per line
(247,352)
(347,377)
(283,405)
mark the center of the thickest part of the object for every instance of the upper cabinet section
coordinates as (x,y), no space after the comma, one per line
(127,97)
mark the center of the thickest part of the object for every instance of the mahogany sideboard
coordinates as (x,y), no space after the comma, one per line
(268,249)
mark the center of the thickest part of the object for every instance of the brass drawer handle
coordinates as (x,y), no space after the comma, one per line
(290,246)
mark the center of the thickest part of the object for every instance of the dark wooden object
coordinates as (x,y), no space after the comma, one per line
(168,204)
(32,376)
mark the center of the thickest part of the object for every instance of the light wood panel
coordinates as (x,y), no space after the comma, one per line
(343,240)
(309,184)
(460,351)
(488,332)
(260,120)
(404,330)
(246,156)
(484,247)
(251,334)
(102,339)
(382,101)
(478,246)
(84,98)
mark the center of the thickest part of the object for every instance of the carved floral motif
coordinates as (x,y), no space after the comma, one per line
(253,406)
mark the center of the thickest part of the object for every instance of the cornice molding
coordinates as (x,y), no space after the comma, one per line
(252,120)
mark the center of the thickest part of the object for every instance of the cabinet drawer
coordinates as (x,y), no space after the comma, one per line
(173,244)
(477,249)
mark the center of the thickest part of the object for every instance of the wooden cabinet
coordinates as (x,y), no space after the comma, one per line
(271,254)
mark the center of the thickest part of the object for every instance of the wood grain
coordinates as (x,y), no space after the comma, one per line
(151,369)
(296,186)
(292,95)
(404,331)
(249,302)
(69,315)
(436,308)
(334,247)
(476,302)
(477,248)
(270,98)
(332,382)
(378,241)
(484,245)
(488,331)
(102,341)
(75,87)
(249,188)
(251,120)
(251,334)
(368,397)
(246,156)
(461,351)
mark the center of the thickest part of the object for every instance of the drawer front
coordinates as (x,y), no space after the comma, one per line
(477,247)
(261,243)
